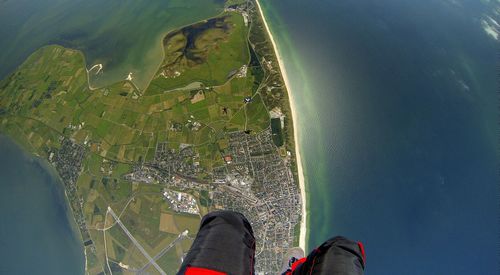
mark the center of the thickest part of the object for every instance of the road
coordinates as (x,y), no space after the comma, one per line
(136,243)
(165,250)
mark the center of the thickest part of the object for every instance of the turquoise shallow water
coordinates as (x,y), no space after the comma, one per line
(396,104)
(36,233)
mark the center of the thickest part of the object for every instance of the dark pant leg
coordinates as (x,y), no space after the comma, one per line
(224,243)
(337,256)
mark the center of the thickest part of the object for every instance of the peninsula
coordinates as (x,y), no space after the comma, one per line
(214,129)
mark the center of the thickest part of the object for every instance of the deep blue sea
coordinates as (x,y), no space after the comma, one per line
(37,234)
(397,112)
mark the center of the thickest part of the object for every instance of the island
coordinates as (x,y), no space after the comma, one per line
(213,130)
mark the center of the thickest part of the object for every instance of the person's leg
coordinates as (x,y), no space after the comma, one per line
(224,245)
(337,256)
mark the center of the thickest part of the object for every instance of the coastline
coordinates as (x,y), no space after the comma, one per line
(63,212)
(303,220)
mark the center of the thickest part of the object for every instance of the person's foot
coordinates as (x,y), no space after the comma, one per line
(293,255)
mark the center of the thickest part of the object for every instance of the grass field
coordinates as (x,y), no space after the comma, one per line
(167,223)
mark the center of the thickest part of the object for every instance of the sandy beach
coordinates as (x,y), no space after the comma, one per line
(303,227)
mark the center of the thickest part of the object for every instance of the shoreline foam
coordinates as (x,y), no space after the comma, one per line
(303,221)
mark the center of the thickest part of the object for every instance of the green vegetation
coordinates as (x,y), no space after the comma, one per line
(205,199)
(205,52)
(296,236)
(265,69)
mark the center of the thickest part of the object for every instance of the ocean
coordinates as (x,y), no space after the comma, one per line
(397,112)
(37,233)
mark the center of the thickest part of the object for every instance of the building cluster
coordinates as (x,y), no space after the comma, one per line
(68,162)
(259,183)
(254,180)
(178,167)
(242,72)
(181,202)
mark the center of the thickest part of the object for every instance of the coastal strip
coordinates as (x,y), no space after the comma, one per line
(303,220)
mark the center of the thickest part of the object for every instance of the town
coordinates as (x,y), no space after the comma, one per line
(255,180)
